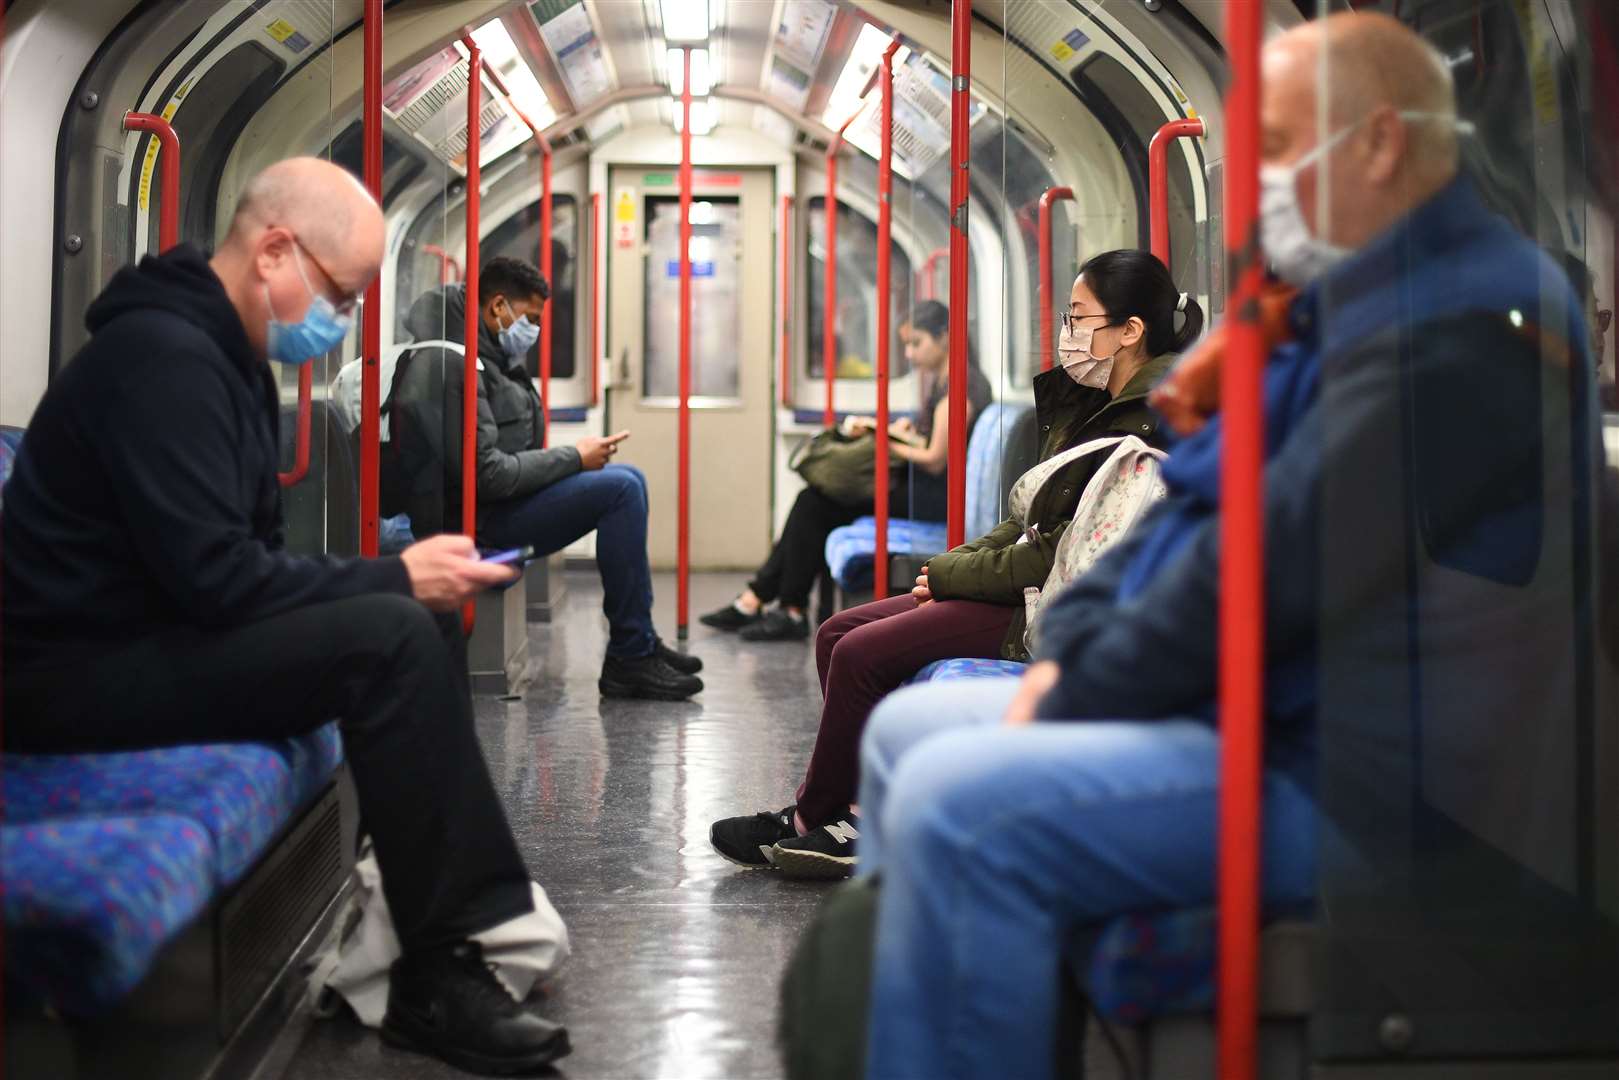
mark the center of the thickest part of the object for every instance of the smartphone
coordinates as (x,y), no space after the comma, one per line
(514,557)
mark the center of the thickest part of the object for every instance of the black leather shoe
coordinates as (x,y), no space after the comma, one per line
(447,1003)
(728,618)
(646,677)
(681,662)
(777,625)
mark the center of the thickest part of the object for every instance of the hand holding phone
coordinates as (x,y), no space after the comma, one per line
(595,452)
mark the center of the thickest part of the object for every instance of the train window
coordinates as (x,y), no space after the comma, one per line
(857,289)
(716,227)
(399,165)
(519,237)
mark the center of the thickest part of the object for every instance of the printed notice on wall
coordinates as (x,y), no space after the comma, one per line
(624,218)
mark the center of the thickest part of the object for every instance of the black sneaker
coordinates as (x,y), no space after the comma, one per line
(447,1003)
(827,852)
(745,840)
(681,662)
(777,625)
(729,617)
(646,677)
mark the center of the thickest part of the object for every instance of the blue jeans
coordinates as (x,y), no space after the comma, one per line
(996,843)
(611,501)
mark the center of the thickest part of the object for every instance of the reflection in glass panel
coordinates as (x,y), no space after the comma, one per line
(857,292)
(715,282)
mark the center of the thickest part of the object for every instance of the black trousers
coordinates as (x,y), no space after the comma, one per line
(395,678)
(799,557)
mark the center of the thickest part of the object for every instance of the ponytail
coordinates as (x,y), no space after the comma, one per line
(1129,282)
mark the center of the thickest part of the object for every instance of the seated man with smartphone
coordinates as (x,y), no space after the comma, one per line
(527,496)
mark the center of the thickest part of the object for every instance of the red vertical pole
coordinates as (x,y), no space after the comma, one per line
(168,163)
(469,362)
(1158,181)
(300,460)
(786,242)
(682,602)
(371,315)
(1242,561)
(595,299)
(961,30)
(1047,287)
(545,311)
(885,228)
(829,321)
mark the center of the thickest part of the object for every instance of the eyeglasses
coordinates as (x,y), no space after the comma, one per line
(344,303)
(1070,320)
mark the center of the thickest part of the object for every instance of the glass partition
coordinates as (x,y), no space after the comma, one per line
(1468,765)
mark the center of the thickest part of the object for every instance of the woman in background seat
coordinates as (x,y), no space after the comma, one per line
(799,557)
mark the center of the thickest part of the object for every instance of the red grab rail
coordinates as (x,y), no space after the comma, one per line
(300,460)
(469,362)
(1158,180)
(885,227)
(545,309)
(929,289)
(371,315)
(786,392)
(1047,287)
(1242,561)
(961,43)
(168,161)
(595,299)
(446,264)
(683,584)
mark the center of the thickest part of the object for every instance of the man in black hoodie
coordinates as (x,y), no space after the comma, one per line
(527,494)
(149,599)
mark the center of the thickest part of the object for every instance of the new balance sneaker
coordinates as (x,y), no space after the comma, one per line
(826,852)
(747,841)
(729,617)
(776,625)
(646,677)
(449,1004)
(684,663)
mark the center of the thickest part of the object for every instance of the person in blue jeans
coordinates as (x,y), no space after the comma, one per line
(528,494)
(1005,815)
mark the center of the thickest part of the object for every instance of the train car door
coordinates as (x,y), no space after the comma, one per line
(732,276)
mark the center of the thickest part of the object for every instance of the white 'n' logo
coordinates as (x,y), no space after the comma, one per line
(843,832)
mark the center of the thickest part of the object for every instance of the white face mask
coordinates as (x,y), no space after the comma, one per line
(1296,254)
(1074,348)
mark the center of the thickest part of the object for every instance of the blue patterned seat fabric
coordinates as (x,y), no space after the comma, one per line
(969,668)
(852,549)
(104,858)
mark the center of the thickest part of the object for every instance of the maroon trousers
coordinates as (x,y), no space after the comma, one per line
(865,653)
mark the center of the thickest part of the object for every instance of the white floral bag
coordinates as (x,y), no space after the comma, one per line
(1118,494)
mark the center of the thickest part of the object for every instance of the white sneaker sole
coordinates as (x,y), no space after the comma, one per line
(798,863)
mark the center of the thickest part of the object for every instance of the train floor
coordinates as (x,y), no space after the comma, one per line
(677,953)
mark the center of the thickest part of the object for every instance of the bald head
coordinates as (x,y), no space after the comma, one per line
(302,228)
(1377,75)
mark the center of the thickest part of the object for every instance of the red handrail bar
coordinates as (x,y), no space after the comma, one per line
(885,229)
(683,597)
(961,43)
(829,316)
(1047,287)
(1242,561)
(300,459)
(469,361)
(595,299)
(446,263)
(1158,180)
(929,273)
(786,391)
(371,313)
(545,309)
(168,161)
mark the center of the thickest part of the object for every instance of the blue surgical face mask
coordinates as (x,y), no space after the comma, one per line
(320,331)
(518,338)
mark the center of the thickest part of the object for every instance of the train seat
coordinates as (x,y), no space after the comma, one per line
(106,858)
(109,856)
(851,550)
(969,668)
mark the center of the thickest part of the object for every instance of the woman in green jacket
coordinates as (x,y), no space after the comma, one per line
(1125,323)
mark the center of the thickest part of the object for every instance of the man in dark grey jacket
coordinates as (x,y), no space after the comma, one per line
(547,498)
